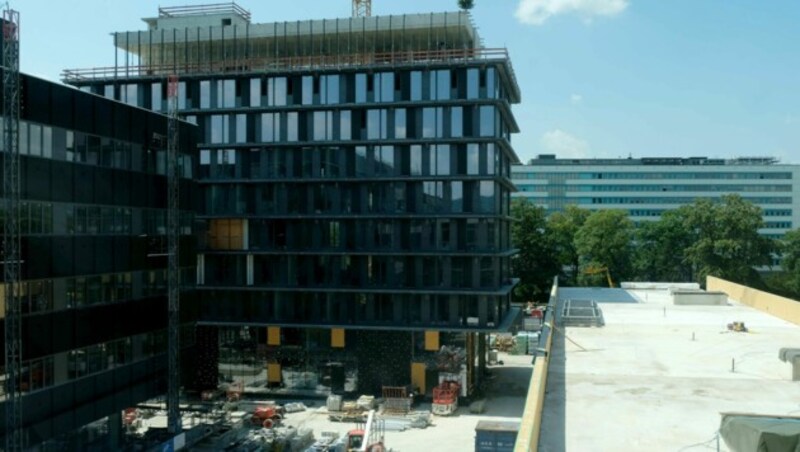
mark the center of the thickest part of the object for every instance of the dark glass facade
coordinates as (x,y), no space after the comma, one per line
(357,197)
(93,224)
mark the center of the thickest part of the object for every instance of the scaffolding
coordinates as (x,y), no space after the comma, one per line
(11,234)
(198,45)
(173,270)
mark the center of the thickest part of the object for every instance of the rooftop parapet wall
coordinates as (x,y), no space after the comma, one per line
(780,307)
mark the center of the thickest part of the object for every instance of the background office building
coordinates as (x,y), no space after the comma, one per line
(648,187)
(92,220)
(355,176)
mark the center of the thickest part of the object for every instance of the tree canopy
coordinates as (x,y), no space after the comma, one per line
(725,241)
(536,263)
(719,238)
(605,240)
(466,4)
(561,230)
(660,249)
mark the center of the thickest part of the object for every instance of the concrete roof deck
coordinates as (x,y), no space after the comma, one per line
(644,383)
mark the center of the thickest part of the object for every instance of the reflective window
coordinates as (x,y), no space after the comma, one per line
(443,160)
(487,196)
(428,123)
(491,159)
(457,122)
(457,197)
(473,159)
(487,121)
(473,79)
(384,87)
(491,83)
(226,95)
(270,127)
(323,125)
(377,124)
(218,129)
(384,159)
(416,160)
(307,90)
(131,94)
(255,92)
(277,94)
(361,88)
(35,133)
(416,85)
(291,126)
(345,125)
(205,94)
(400,123)
(361,160)
(241,128)
(330,89)
(156,101)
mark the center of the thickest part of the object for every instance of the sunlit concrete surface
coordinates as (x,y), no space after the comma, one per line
(656,376)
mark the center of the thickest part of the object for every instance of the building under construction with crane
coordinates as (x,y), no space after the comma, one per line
(355,182)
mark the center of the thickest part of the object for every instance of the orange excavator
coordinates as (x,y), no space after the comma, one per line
(367,437)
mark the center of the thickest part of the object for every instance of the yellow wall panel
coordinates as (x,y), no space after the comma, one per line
(273,373)
(432,340)
(273,335)
(418,376)
(337,338)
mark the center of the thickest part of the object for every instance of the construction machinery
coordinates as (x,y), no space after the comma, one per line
(445,398)
(267,416)
(594,270)
(367,437)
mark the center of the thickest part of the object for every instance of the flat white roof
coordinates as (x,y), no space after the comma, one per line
(644,383)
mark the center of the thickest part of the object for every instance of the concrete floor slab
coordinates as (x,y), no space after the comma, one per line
(657,376)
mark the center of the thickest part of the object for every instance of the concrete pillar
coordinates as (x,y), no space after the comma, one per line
(481,356)
(796,369)
(114,430)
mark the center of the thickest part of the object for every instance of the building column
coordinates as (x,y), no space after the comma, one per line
(114,430)
(481,356)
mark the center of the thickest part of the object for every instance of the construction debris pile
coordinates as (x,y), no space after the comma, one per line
(279,439)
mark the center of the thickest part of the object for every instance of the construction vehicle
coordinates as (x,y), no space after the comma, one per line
(594,270)
(267,416)
(445,398)
(367,437)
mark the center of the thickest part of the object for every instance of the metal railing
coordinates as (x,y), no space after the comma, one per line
(243,65)
(201,10)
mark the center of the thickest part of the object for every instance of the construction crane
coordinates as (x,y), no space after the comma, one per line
(594,270)
(11,235)
(362,8)
(173,273)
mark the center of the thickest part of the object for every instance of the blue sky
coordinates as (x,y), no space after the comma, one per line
(599,78)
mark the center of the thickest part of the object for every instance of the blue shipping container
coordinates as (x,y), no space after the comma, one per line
(495,436)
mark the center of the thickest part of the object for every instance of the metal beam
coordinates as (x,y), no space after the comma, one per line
(11,234)
(173,270)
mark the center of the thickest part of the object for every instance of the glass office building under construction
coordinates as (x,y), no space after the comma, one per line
(355,184)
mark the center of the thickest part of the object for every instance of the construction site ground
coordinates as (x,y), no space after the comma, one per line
(505,401)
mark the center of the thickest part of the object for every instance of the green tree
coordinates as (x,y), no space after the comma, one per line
(726,240)
(659,249)
(466,4)
(790,262)
(605,240)
(535,264)
(561,230)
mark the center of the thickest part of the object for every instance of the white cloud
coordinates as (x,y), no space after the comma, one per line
(536,12)
(564,145)
(575,99)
